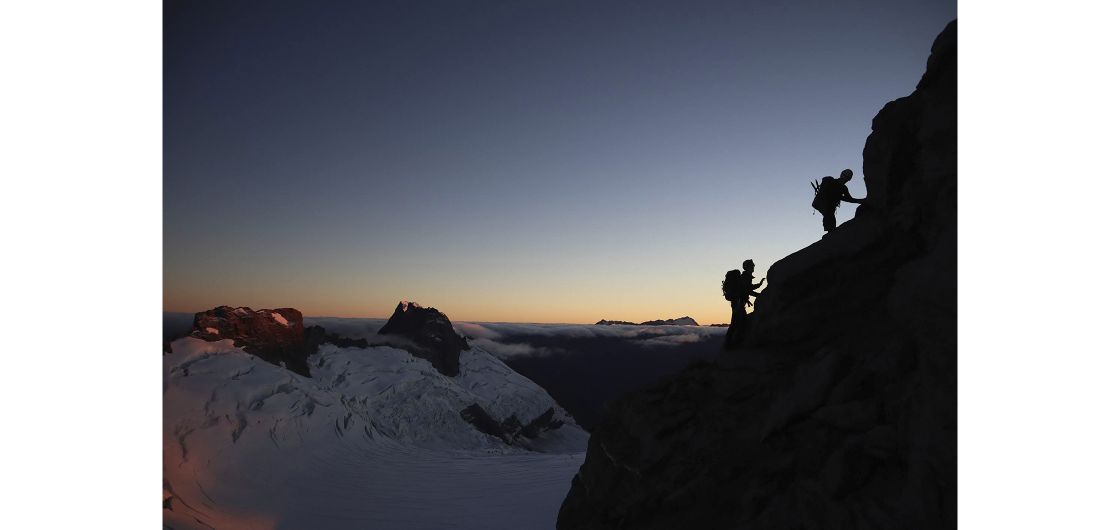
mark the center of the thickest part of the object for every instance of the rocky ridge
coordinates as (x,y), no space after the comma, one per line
(682,321)
(431,335)
(275,335)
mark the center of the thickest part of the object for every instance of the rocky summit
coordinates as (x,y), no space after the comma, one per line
(275,335)
(429,335)
(839,409)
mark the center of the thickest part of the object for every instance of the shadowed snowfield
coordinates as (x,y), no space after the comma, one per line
(373,440)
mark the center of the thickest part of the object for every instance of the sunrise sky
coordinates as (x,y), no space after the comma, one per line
(512,161)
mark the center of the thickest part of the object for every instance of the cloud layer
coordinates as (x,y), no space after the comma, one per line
(514,340)
(507,340)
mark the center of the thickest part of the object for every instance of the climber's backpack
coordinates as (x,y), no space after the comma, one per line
(822,191)
(732,284)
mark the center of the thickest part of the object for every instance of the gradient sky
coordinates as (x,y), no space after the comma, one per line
(512,161)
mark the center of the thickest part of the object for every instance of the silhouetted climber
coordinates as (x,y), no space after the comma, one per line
(738,287)
(734,292)
(829,193)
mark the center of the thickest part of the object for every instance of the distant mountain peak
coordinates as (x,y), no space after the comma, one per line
(681,321)
(431,331)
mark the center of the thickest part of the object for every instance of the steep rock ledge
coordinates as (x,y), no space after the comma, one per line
(840,410)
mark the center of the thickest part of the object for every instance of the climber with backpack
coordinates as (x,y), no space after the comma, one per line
(733,292)
(829,192)
(738,287)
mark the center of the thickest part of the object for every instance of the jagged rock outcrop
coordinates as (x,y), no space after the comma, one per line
(430,334)
(682,321)
(545,422)
(275,335)
(477,416)
(605,322)
(510,429)
(839,412)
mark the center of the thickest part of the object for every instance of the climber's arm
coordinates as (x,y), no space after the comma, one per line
(847,197)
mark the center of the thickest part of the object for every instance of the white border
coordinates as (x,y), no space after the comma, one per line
(1038,195)
(80,163)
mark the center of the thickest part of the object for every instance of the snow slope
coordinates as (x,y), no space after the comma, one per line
(373,439)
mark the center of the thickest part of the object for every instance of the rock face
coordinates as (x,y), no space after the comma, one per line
(682,321)
(510,430)
(430,333)
(275,335)
(839,411)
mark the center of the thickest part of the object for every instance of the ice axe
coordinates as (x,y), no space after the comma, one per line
(816,184)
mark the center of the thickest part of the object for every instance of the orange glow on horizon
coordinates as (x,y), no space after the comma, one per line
(559,311)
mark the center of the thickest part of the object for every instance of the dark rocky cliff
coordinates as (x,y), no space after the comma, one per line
(840,410)
(431,335)
(275,335)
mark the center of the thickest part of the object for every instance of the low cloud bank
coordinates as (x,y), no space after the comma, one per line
(496,330)
(508,340)
(354,328)
(506,350)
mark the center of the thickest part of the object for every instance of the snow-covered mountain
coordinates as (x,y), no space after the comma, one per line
(365,441)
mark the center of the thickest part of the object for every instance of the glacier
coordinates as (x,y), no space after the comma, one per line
(373,439)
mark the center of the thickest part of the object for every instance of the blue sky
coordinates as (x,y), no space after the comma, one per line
(512,161)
